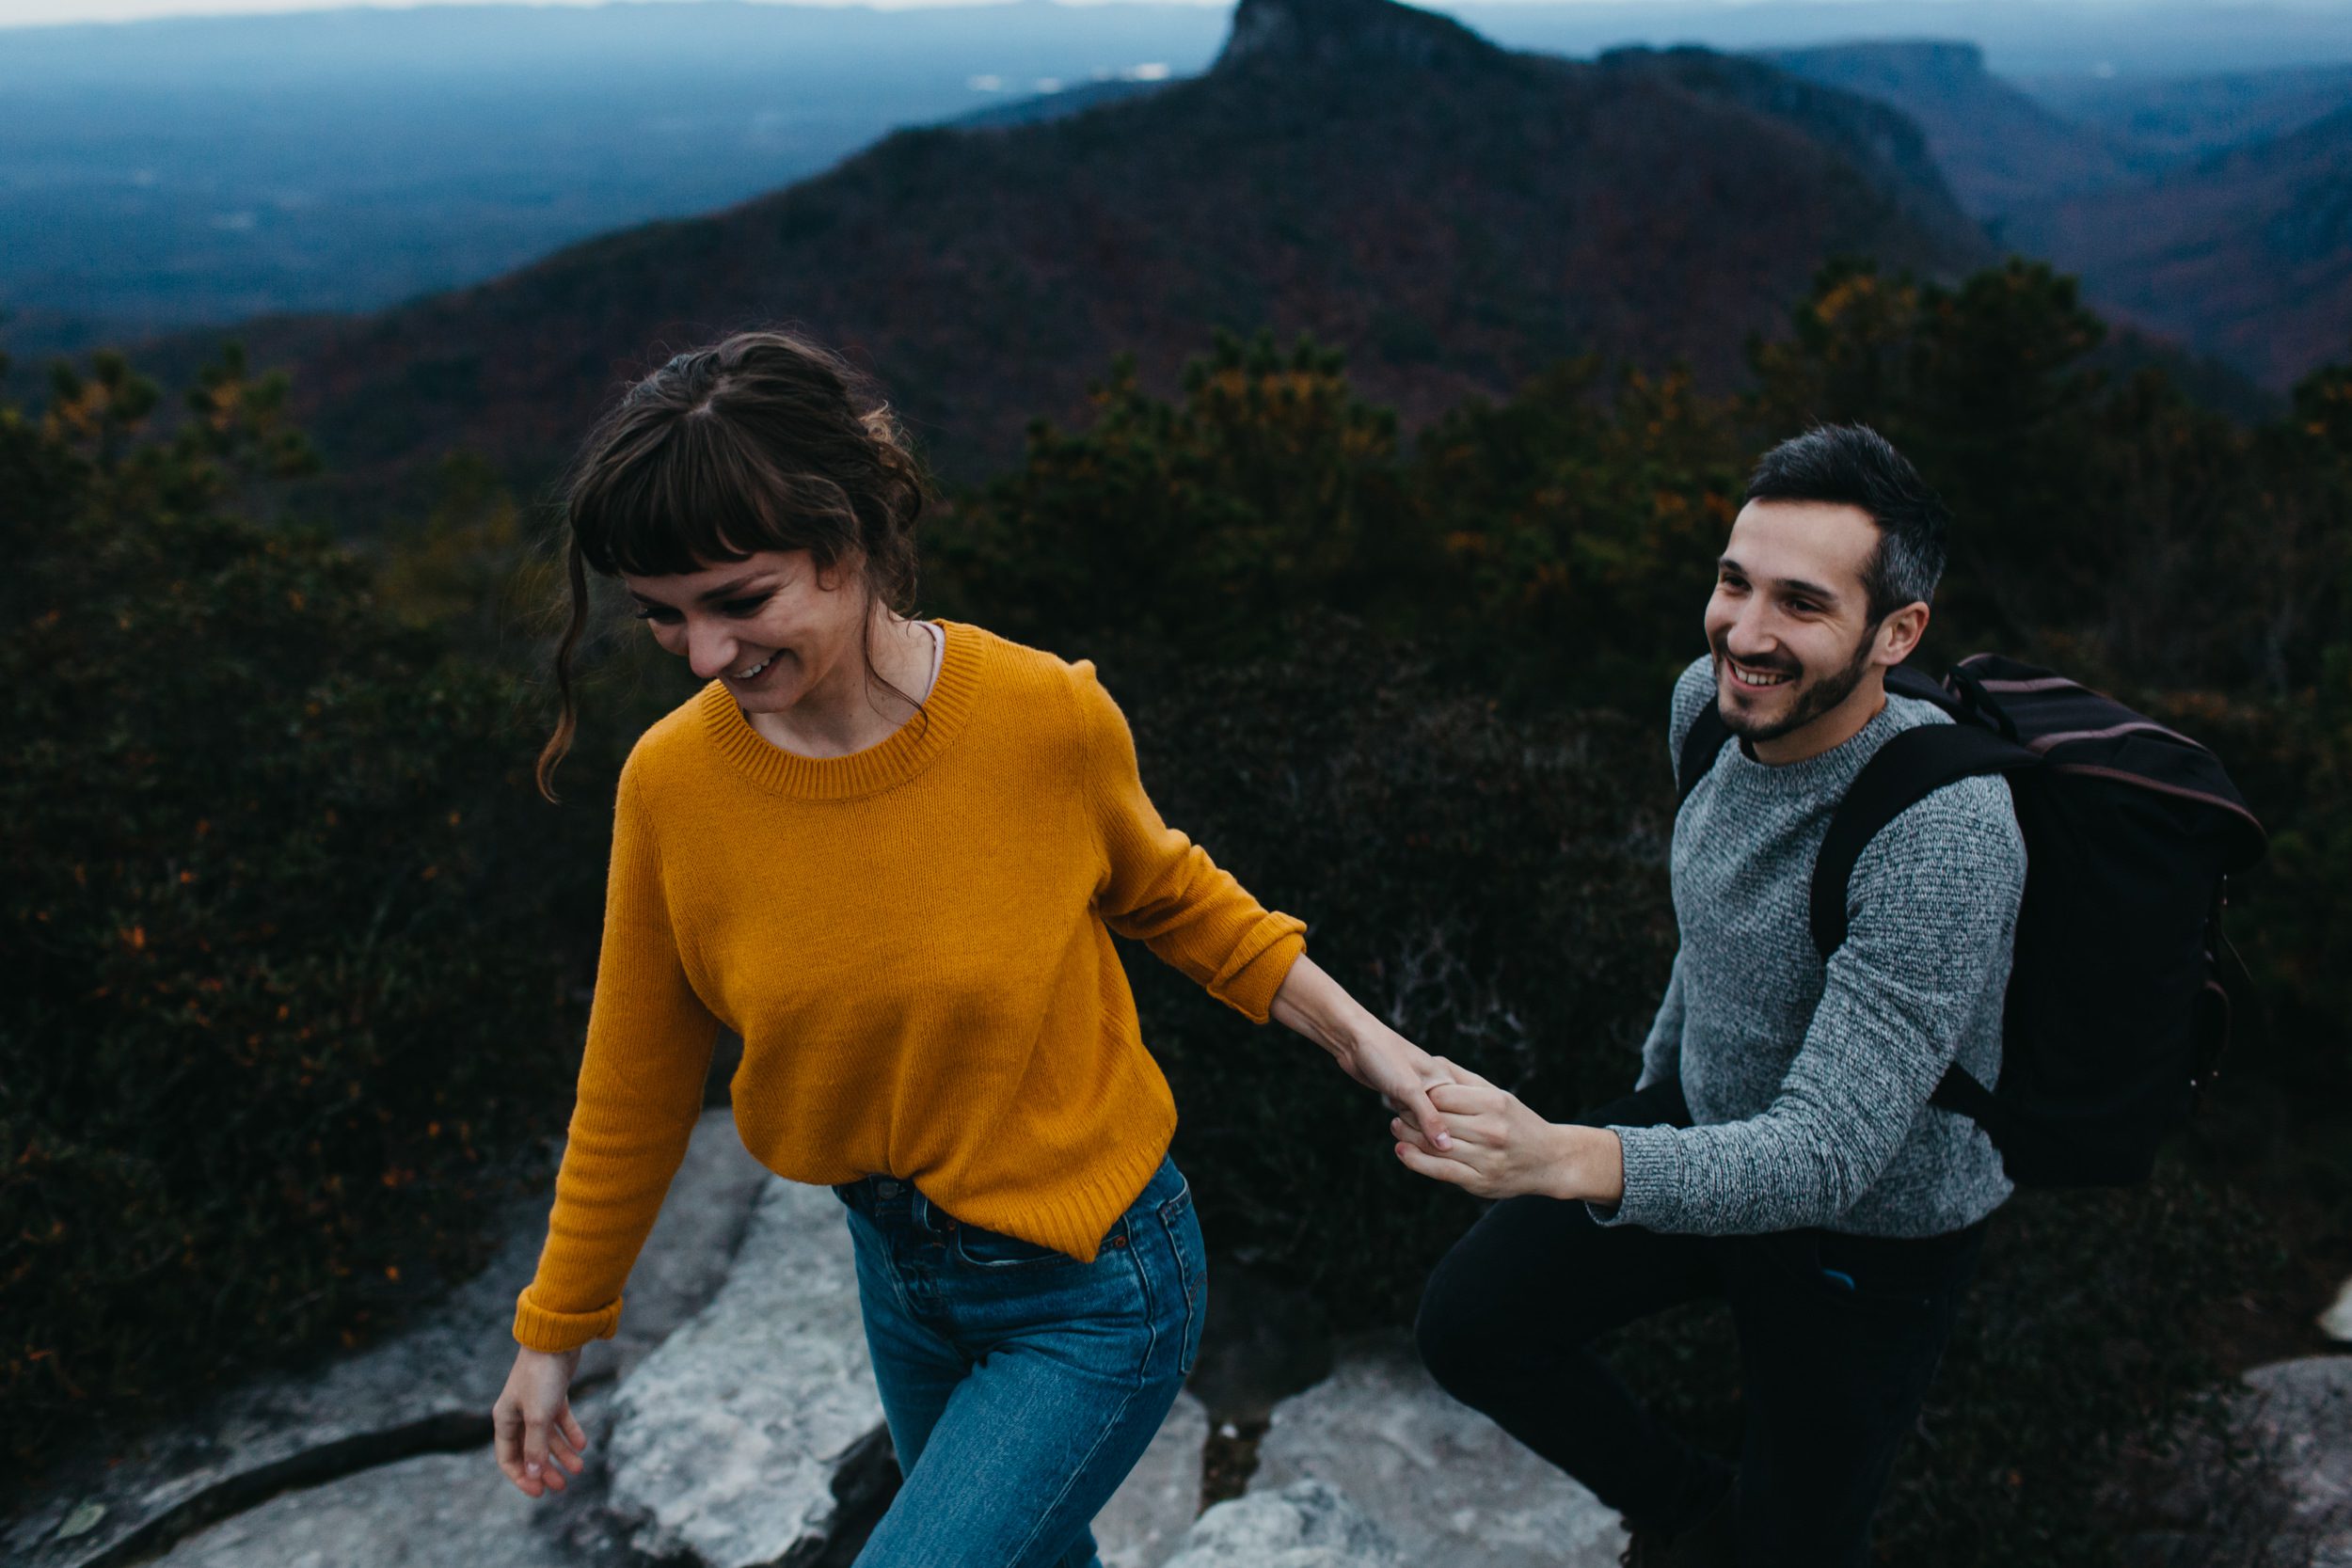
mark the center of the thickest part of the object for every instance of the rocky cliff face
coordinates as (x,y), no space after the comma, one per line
(1321,34)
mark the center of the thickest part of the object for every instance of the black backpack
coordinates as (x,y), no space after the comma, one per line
(2115,1017)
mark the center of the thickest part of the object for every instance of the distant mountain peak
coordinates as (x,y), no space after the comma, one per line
(1346,32)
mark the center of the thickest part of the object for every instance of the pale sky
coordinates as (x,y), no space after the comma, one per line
(23,13)
(20,13)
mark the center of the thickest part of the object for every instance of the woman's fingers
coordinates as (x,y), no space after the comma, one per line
(506,1439)
(1467,1133)
(576,1435)
(1451,1171)
(1404,1132)
(1462,1099)
(1422,1114)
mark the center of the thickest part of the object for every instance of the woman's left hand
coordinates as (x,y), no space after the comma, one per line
(1501,1149)
(1405,1077)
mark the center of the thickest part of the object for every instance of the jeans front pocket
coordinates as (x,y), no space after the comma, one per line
(1183,1229)
(992,1250)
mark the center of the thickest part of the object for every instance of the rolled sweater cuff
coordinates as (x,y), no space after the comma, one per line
(1654,1182)
(536,1328)
(1258,965)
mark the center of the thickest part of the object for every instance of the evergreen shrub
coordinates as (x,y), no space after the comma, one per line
(286,967)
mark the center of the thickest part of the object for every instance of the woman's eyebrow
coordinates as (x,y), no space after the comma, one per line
(724,590)
(729,588)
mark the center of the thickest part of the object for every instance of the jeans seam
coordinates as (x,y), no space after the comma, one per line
(888,1264)
(1184,1281)
(1101,1434)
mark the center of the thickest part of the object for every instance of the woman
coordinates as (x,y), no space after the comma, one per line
(890,853)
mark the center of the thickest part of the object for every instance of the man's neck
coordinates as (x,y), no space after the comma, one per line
(1831,730)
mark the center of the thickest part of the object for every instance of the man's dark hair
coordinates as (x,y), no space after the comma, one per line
(1852,464)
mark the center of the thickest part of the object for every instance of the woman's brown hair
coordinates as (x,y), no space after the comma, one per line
(760,441)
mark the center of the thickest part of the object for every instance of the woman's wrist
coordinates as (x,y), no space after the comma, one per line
(1309,1001)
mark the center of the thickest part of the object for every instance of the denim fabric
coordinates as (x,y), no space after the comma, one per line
(1021,1385)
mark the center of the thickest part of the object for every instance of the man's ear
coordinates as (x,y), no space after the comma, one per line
(1900,633)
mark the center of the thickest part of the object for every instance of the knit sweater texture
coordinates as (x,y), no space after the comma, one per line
(1809,1081)
(914,942)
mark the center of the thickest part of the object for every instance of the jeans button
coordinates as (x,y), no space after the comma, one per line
(886,1189)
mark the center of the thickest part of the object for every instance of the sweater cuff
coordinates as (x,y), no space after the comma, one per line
(1653,1196)
(536,1328)
(1258,965)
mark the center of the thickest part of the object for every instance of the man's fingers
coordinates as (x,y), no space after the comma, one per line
(1451,1171)
(1404,1132)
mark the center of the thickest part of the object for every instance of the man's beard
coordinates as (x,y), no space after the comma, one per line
(1812,700)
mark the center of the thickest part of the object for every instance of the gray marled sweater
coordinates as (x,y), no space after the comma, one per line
(1808,1082)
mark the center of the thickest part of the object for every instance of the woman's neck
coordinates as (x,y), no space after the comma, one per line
(847,711)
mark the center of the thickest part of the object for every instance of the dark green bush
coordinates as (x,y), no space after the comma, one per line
(1493,887)
(287,963)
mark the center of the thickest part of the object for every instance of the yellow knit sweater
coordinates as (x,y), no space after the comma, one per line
(912,941)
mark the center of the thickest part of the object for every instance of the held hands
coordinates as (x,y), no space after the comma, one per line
(538,1438)
(1501,1149)
(1402,1073)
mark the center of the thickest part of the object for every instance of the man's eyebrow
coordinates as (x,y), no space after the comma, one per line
(1807,590)
(1786,585)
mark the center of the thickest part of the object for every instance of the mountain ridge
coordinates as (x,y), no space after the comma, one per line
(1452,215)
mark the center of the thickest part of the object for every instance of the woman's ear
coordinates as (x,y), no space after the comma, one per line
(844,571)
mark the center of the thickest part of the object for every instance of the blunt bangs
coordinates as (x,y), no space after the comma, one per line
(674,498)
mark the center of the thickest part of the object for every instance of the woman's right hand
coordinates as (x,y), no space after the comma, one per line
(536,1436)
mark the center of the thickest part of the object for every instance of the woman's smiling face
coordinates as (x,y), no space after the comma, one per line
(773,626)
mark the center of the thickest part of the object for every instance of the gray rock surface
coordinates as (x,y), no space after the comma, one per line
(1157,1502)
(2336,1323)
(729,1440)
(1442,1481)
(426,1387)
(1263,1344)
(436,1510)
(1307,1524)
(733,1421)
(2271,1488)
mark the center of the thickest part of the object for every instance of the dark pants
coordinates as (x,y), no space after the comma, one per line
(1832,1373)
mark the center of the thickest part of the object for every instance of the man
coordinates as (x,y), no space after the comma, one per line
(1779,1151)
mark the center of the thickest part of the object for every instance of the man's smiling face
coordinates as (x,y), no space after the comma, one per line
(1789,623)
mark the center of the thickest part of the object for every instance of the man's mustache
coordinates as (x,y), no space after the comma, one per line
(1783,666)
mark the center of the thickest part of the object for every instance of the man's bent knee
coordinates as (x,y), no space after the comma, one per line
(1462,1341)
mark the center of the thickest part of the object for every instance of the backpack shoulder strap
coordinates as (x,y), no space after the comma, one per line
(1904,772)
(1700,748)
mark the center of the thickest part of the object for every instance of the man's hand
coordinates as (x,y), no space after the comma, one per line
(1501,1149)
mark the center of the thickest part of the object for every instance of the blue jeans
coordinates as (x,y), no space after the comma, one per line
(1021,1385)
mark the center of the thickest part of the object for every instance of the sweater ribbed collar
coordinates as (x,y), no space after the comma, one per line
(909,748)
(1833,770)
